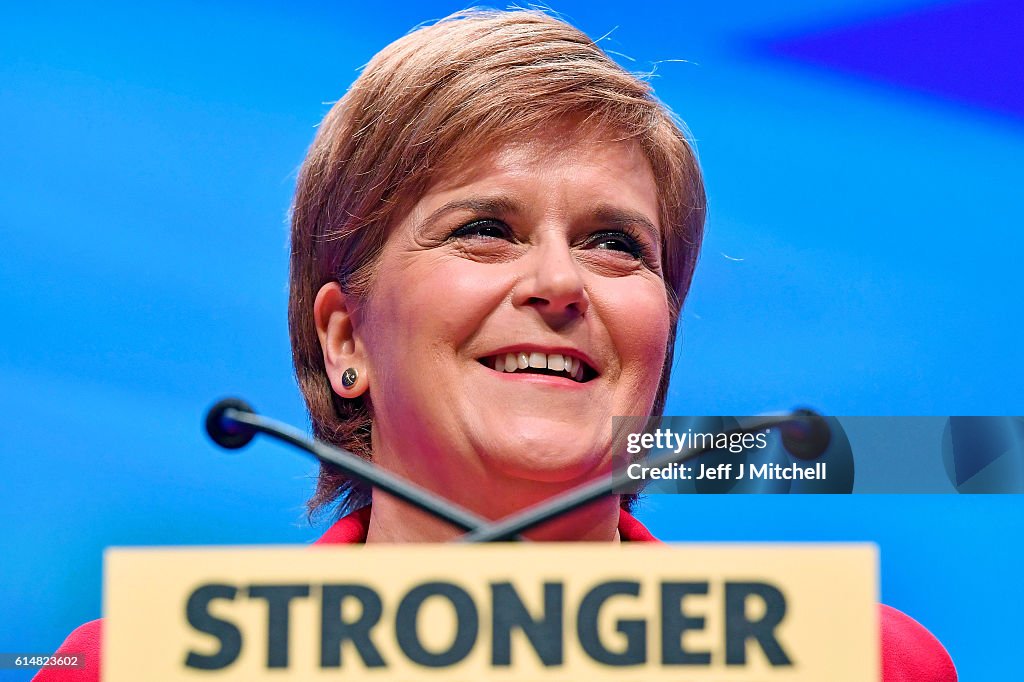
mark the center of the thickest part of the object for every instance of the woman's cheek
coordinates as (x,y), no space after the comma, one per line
(641,331)
(469,291)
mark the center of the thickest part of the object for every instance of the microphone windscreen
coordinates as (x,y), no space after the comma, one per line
(226,432)
(807,435)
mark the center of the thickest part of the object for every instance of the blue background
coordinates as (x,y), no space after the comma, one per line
(863,161)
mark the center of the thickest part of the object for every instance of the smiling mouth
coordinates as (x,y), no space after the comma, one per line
(550,364)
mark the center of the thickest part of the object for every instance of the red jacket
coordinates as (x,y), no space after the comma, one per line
(909,652)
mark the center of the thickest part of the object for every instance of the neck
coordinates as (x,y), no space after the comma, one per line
(392,520)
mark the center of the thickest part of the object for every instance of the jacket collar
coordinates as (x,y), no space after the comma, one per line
(351,529)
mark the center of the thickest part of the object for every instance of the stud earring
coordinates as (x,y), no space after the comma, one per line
(349,377)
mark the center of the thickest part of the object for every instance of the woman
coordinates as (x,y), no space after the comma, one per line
(487,189)
(492,236)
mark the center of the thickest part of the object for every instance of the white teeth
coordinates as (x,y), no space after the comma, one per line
(556,362)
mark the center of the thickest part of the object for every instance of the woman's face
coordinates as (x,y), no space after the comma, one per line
(544,254)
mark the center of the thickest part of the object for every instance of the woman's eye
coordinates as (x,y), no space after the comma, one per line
(617,241)
(483,229)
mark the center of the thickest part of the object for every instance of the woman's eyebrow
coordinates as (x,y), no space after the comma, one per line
(615,216)
(495,206)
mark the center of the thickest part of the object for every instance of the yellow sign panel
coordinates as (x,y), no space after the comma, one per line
(728,613)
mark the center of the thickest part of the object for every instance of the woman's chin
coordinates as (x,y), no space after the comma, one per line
(548,460)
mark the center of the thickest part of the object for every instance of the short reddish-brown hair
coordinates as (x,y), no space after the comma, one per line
(427,103)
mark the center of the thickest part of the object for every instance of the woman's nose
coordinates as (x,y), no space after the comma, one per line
(552,283)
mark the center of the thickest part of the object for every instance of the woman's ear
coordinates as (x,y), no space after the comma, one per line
(344,358)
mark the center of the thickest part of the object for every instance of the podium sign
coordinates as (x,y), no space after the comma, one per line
(729,613)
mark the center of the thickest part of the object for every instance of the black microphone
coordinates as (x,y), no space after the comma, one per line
(232,424)
(806,435)
(224,429)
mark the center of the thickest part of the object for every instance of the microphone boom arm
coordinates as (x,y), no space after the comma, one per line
(226,417)
(588,492)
